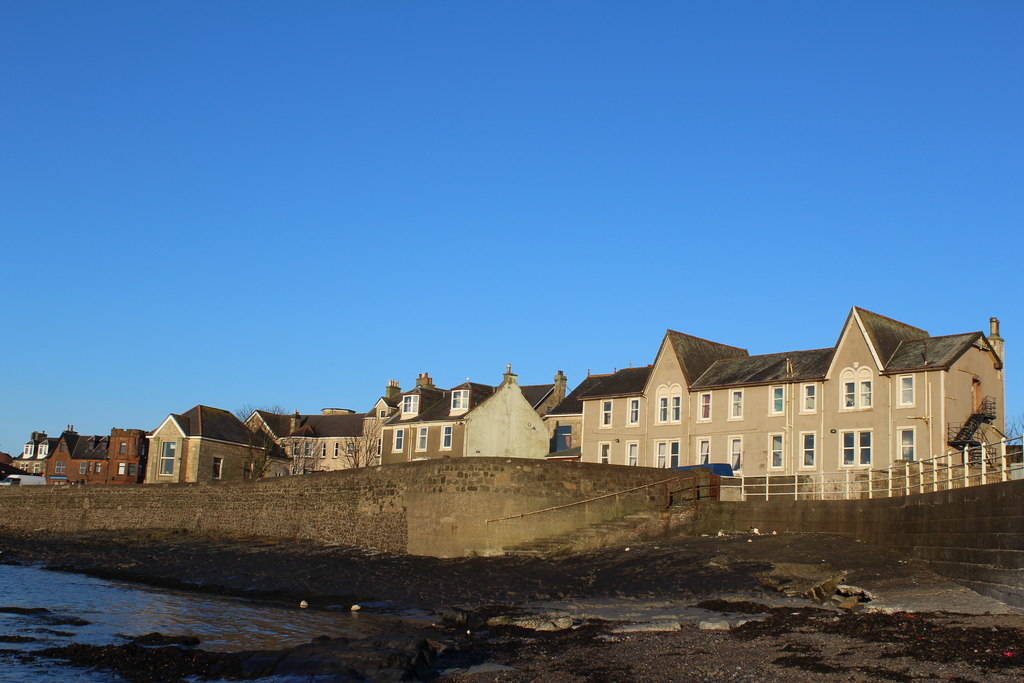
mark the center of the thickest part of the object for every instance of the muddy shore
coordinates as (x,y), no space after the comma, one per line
(704,608)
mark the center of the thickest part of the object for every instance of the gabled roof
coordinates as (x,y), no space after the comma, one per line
(932,352)
(212,423)
(770,367)
(621,383)
(439,408)
(696,355)
(885,334)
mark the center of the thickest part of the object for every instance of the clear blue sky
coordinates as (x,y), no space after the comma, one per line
(249,202)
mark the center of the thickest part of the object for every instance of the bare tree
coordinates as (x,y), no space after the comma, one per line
(262,447)
(364,450)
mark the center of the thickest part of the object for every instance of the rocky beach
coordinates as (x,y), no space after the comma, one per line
(749,606)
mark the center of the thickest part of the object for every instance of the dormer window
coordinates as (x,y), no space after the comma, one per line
(44,449)
(411,405)
(460,399)
(28,451)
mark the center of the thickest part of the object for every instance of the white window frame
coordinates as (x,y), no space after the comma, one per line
(633,412)
(83,467)
(864,377)
(735,405)
(421,439)
(607,413)
(460,399)
(674,449)
(411,404)
(604,452)
(661,454)
(633,453)
(812,395)
(900,391)
(218,468)
(858,448)
(676,407)
(773,439)
(772,390)
(165,466)
(902,448)
(852,394)
(44,449)
(446,438)
(736,455)
(848,390)
(122,469)
(337,447)
(28,451)
(398,445)
(704,413)
(703,452)
(804,450)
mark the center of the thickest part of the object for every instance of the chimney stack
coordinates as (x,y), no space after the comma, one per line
(559,389)
(423,380)
(509,376)
(993,337)
(392,389)
(295,422)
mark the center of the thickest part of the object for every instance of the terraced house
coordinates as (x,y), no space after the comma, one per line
(887,391)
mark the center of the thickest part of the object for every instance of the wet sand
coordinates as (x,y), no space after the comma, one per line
(665,609)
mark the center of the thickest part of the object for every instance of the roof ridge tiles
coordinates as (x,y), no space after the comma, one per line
(892,320)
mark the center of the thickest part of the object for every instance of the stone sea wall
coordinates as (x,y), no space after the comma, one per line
(444,508)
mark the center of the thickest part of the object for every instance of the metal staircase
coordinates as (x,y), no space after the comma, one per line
(961,436)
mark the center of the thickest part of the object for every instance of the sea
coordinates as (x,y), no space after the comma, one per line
(82,609)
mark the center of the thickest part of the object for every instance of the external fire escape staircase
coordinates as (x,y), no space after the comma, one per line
(964,435)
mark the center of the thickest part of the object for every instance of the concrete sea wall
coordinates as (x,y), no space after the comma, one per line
(972,535)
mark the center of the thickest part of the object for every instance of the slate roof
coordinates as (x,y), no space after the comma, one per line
(886,334)
(212,423)
(90,447)
(933,352)
(536,393)
(620,383)
(770,367)
(314,425)
(696,355)
(572,404)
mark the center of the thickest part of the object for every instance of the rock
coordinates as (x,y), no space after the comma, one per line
(303,604)
(714,625)
(533,623)
(661,626)
(160,639)
(355,608)
(460,619)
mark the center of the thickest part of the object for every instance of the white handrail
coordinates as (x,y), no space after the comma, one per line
(971,466)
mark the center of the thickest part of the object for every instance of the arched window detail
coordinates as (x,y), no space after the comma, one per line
(661,405)
(857,387)
(675,402)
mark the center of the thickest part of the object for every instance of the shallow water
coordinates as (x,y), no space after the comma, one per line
(114,609)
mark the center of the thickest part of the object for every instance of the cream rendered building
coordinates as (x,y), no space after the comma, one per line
(468,420)
(886,392)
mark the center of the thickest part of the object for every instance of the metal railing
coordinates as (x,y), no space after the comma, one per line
(978,465)
(668,493)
